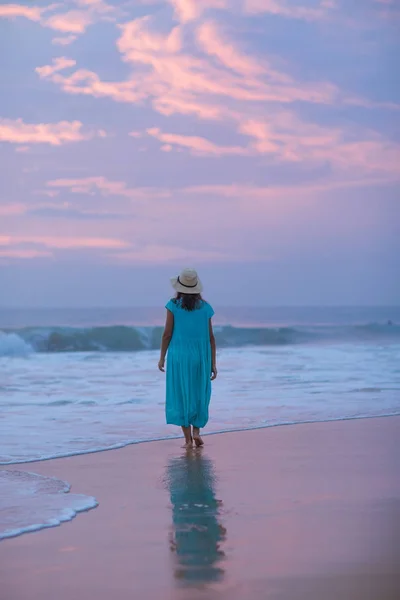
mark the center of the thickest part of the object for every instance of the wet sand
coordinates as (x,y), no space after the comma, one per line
(304,512)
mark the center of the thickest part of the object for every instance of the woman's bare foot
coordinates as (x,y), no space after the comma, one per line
(197,438)
(187,432)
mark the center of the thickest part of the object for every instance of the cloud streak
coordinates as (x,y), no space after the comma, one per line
(54,134)
(290,10)
(91,185)
(196,145)
(213,43)
(20,253)
(244,193)
(63,243)
(60,63)
(13,11)
(287,138)
(74,22)
(159,254)
(190,10)
(64,40)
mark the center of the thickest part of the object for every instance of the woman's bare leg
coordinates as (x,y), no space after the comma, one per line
(196,436)
(187,432)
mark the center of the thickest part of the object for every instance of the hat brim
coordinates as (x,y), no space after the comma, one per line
(185,290)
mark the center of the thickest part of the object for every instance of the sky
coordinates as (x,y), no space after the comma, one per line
(254,140)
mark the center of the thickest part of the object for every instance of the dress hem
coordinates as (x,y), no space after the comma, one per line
(188,424)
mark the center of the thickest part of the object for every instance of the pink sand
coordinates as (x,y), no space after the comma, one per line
(305,512)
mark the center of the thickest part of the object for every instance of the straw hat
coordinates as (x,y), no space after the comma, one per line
(187,282)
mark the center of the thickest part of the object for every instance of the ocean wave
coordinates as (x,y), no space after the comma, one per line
(121,338)
(12,344)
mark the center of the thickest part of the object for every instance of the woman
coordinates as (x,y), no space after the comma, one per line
(188,337)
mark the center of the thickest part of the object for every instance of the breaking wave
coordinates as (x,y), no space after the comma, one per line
(121,338)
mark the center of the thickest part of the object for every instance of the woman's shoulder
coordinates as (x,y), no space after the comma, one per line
(207,307)
(171,304)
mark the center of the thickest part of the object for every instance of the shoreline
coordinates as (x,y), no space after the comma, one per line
(204,434)
(298,512)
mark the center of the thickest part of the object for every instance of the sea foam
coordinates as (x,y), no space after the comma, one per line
(11,344)
(29,502)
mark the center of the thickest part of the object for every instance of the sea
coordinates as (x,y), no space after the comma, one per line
(74,381)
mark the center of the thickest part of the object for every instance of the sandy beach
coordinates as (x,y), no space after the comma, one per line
(294,512)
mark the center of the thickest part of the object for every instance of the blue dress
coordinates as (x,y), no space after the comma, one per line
(189,366)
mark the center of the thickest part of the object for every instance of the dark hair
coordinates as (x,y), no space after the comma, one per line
(188,301)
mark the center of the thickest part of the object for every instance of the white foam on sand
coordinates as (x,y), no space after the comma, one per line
(29,502)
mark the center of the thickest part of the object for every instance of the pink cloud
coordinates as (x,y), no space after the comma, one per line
(241,192)
(285,135)
(225,84)
(291,193)
(287,138)
(61,242)
(179,75)
(24,254)
(18,209)
(22,149)
(64,41)
(90,185)
(184,74)
(59,64)
(196,145)
(291,10)
(176,81)
(55,134)
(181,83)
(49,193)
(357,101)
(96,5)
(10,11)
(10,210)
(155,253)
(185,104)
(189,10)
(89,84)
(374,155)
(74,21)
(213,43)
(186,10)
(136,37)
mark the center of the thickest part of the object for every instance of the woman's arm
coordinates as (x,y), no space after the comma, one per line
(166,338)
(214,371)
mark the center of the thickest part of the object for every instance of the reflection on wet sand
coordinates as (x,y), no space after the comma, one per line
(197,533)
